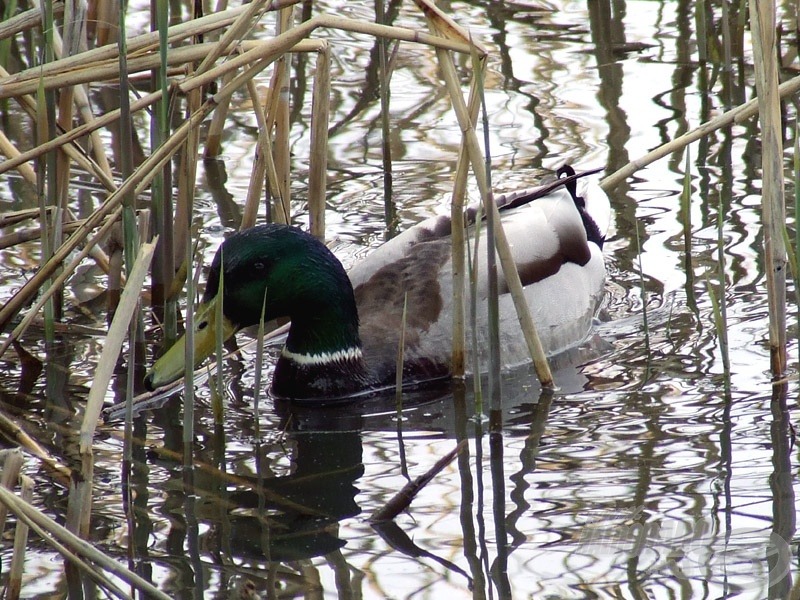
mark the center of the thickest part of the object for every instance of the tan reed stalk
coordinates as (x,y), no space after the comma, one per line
(19,159)
(263,165)
(216,128)
(73,42)
(318,160)
(113,345)
(99,64)
(735,115)
(8,149)
(762,23)
(458,245)
(92,571)
(279,112)
(14,587)
(177,33)
(15,217)
(12,464)
(24,21)
(457,239)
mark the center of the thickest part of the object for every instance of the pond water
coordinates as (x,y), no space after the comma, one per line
(642,476)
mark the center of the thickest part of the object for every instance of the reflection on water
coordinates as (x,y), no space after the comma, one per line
(640,477)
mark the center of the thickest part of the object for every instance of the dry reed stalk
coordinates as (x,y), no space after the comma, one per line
(113,344)
(762,23)
(74,559)
(318,160)
(14,217)
(262,165)
(74,39)
(735,115)
(12,465)
(279,115)
(100,63)
(267,50)
(60,538)
(447,28)
(458,241)
(15,157)
(241,26)
(26,20)
(217,126)
(14,586)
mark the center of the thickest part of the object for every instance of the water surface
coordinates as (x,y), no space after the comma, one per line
(641,477)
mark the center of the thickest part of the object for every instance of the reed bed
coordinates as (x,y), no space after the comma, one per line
(194,69)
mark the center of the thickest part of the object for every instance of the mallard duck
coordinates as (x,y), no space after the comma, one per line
(345,327)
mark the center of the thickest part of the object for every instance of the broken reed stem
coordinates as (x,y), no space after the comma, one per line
(402,500)
(318,160)
(735,115)
(11,467)
(458,242)
(20,543)
(279,115)
(263,165)
(762,23)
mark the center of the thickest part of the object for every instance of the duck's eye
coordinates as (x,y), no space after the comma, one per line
(258,265)
(202,325)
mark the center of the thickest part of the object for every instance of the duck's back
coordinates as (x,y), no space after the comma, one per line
(563,275)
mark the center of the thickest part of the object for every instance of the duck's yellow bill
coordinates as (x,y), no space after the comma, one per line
(172,365)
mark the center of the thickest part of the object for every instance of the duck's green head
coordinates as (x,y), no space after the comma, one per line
(283,272)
